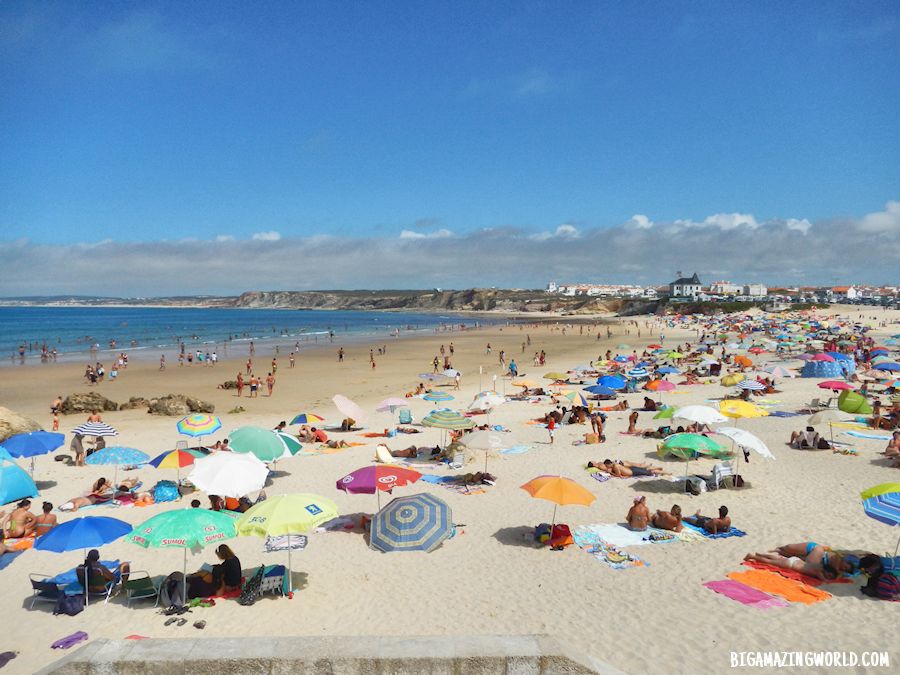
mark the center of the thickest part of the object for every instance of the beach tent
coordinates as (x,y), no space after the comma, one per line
(827,369)
(15,484)
(854,403)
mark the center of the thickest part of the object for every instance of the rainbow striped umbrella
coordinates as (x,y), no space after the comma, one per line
(437,396)
(307,418)
(199,424)
(882,503)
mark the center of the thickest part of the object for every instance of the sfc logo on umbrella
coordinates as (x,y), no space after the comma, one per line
(313,509)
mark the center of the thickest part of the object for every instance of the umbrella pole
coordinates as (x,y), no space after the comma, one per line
(290,573)
(831,434)
(184,577)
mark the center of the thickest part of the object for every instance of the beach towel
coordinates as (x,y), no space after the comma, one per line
(7,558)
(689,536)
(620,536)
(70,640)
(744,594)
(599,476)
(516,450)
(19,543)
(783,413)
(775,584)
(874,437)
(850,425)
(732,532)
(602,551)
(793,574)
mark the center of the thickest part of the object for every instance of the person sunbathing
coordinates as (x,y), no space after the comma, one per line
(621,405)
(809,567)
(668,520)
(621,469)
(711,525)
(337,444)
(810,551)
(20,522)
(804,440)
(638,516)
(411,452)
(46,521)
(100,492)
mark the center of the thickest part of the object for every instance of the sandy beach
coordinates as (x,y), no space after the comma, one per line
(490,578)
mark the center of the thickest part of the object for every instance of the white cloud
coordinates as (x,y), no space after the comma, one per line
(437,234)
(224,237)
(737,246)
(639,222)
(271,235)
(883,221)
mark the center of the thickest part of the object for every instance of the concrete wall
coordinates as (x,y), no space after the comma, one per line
(458,655)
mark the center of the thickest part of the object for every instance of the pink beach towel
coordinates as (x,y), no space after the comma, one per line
(745,594)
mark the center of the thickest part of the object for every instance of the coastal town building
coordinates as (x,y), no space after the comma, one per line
(724,288)
(685,287)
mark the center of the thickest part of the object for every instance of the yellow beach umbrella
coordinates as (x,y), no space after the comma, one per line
(731,380)
(736,408)
(528,384)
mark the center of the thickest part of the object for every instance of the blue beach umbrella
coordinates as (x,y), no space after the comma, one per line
(15,484)
(668,370)
(612,381)
(117,456)
(882,503)
(416,523)
(32,444)
(82,533)
(888,365)
(638,373)
(600,390)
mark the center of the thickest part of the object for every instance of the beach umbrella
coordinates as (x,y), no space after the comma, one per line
(15,483)
(95,429)
(834,385)
(828,415)
(117,456)
(745,439)
(823,357)
(854,403)
(376,479)
(450,372)
(659,385)
(307,418)
(5,455)
(665,413)
(674,355)
(348,407)
(732,379)
(888,365)
(174,459)
(447,419)
(600,390)
(82,533)
(559,490)
(620,359)
(612,381)
(638,373)
(556,376)
(701,414)
(184,529)
(743,361)
(882,502)
(668,370)
(32,444)
(752,385)
(685,446)
(229,474)
(737,408)
(486,440)
(419,522)
(198,425)
(524,382)
(392,404)
(779,371)
(431,377)
(286,515)
(262,443)
(290,443)
(576,397)
(437,396)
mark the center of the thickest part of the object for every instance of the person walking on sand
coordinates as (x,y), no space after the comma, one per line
(340,355)
(249,365)
(270,383)
(551,427)
(291,360)
(55,421)
(254,386)
(162,362)
(502,358)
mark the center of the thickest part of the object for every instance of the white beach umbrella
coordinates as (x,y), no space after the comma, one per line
(746,440)
(348,407)
(700,414)
(229,474)
(488,441)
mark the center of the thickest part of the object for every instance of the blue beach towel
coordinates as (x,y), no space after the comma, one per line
(437,480)
(783,413)
(861,434)
(516,450)
(732,532)
(7,558)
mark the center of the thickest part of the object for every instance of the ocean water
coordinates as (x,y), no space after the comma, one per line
(146,332)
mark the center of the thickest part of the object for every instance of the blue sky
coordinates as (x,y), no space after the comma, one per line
(145,122)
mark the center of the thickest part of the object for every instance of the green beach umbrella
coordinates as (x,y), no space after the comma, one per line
(685,446)
(185,529)
(263,443)
(286,515)
(665,413)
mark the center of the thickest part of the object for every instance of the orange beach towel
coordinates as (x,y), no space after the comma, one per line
(775,584)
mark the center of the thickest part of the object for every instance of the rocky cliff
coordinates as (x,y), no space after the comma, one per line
(472,300)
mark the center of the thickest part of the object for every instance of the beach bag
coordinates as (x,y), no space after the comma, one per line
(542,533)
(253,588)
(69,604)
(165,491)
(172,592)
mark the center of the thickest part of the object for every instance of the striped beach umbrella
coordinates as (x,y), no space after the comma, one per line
(780,371)
(307,418)
(638,373)
(577,398)
(752,385)
(447,419)
(95,429)
(437,396)
(199,424)
(416,523)
(175,459)
(882,503)
(117,456)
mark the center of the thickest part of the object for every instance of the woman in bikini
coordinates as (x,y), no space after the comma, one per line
(19,523)
(101,491)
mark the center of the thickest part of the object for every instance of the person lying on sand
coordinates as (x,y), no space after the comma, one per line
(621,405)
(807,558)
(668,520)
(711,525)
(621,469)
(816,553)
(337,444)
(101,491)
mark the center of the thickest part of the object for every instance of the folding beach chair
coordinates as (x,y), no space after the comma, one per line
(97,580)
(141,586)
(405,416)
(720,471)
(43,589)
